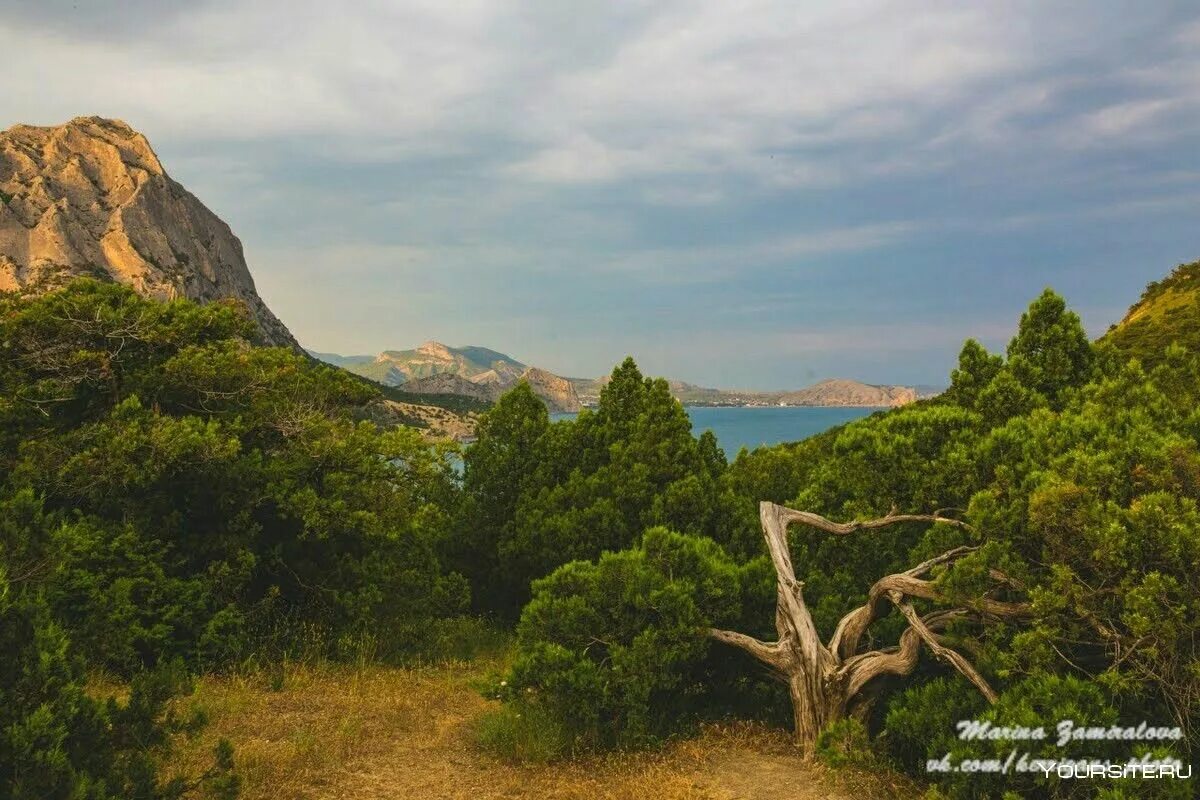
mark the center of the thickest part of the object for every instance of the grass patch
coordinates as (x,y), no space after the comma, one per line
(523,734)
(305,727)
(845,743)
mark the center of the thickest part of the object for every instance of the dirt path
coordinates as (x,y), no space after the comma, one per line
(720,765)
(738,774)
(378,733)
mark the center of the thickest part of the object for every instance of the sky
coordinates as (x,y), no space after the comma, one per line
(741,193)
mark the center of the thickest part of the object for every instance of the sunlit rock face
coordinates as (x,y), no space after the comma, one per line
(91,198)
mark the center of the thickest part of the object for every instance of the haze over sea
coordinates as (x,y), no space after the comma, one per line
(752,426)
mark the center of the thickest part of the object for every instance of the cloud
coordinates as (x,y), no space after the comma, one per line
(581,178)
(596,95)
(709,264)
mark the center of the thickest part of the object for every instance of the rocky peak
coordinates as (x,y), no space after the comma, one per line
(436,350)
(90,197)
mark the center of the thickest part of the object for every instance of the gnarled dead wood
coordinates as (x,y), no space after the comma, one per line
(828,682)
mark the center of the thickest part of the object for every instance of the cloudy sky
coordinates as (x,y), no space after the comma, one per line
(751,194)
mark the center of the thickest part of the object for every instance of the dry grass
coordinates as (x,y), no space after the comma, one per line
(382,732)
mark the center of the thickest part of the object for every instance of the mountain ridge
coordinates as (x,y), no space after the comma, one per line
(484,374)
(471,371)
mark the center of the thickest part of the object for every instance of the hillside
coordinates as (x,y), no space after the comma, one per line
(451,383)
(832,392)
(1168,311)
(844,392)
(91,198)
(473,372)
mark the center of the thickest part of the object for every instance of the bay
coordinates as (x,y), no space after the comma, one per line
(754,426)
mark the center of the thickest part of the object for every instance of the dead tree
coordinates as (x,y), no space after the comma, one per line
(828,682)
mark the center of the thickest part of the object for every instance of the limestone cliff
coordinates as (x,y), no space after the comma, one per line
(91,198)
(557,393)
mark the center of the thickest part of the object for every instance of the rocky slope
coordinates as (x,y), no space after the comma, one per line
(450,383)
(435,358)
(435,422)
(557,393)
(91,198)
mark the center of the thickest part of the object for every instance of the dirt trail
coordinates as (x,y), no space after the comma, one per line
(739,763)
(382,734)
(711,768)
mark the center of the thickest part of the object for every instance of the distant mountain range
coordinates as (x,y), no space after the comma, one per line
(831,392)
(437,369)
(485,374)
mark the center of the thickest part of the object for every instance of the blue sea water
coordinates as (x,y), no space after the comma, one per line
(751,427)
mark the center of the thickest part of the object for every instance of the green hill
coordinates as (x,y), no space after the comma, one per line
(1168,311)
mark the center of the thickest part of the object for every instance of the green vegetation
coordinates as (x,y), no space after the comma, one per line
(169,494)
(58,742)
(1168,311)
(537,495)
(1079,473)
(524,733)
(174,501)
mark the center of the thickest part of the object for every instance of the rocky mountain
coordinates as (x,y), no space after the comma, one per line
(436,422)
(925,390)
(477,372)
(91,198)
(844,392)
(435,358)
(341,361)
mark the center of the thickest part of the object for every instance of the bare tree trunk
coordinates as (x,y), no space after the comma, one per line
(826,683)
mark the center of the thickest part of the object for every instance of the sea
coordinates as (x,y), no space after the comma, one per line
(753,426)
